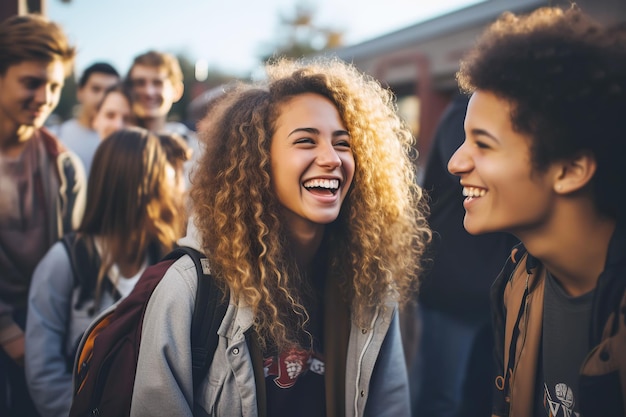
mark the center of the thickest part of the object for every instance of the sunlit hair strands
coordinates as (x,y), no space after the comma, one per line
(33,37)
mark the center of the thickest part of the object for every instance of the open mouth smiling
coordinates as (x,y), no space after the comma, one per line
(324,186)
(473,192)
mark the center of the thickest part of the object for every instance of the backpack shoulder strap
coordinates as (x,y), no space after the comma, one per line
(85,264)
(69,241)
(209,310)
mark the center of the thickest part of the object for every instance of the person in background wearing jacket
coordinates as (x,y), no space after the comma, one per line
(308,211)
(543,159)
(43,184)
(452,372)
(133,217)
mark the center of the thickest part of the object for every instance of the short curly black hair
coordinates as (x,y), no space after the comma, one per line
(565,77)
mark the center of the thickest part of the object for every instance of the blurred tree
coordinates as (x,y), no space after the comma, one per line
(300,35)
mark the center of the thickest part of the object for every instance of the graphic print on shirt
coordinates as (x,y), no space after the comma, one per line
(291,364)
(563,404)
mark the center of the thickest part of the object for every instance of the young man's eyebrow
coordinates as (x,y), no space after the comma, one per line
(483,132)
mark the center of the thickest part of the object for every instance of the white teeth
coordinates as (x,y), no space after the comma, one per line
(473,192)
(322,183)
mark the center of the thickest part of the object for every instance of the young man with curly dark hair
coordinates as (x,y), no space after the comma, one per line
(543,160)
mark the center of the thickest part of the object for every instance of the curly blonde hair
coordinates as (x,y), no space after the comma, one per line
(375,245)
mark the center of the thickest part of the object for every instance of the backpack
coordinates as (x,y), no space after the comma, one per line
(85,263)
(106,361)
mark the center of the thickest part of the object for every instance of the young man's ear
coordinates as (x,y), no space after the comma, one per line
(575,173)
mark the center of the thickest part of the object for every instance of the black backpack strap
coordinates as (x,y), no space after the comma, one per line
(209,310)
(85,267)
(69,240)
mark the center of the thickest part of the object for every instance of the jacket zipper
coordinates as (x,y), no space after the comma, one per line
(368,341)
(526,314)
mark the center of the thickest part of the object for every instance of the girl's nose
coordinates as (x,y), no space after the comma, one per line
(119,123)
(328,156)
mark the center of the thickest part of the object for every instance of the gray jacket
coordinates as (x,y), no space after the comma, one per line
(376,378)
(54,328)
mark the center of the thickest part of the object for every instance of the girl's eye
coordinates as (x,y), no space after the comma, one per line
(304,140)
(343,143)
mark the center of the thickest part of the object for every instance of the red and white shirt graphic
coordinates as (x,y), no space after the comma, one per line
(287,367)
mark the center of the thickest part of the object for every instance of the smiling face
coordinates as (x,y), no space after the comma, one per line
(29,92)
(503,192)
(154,92)
(312,162)
(114,114)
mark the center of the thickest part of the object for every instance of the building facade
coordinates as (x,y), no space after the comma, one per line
(419,62)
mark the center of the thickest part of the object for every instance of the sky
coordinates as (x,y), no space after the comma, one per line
(228,34)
